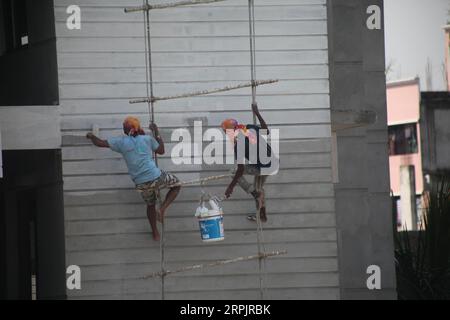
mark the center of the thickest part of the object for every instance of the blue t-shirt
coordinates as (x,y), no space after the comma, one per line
(137,152)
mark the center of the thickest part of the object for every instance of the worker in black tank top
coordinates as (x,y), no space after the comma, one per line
(249,145)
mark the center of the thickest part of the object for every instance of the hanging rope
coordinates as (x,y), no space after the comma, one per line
(258,181)
(151,110)
(251,22)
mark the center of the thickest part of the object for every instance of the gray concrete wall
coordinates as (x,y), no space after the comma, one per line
(30,127)
(102,65)
(363,208)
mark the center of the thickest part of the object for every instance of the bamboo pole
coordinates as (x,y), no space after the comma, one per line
(194,182)
(168,5)
(216,264)
(199,181)
(205,92)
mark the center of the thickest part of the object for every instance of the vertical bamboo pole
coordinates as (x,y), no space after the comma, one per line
(151,106)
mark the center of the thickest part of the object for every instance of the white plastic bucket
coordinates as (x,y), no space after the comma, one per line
(211,228)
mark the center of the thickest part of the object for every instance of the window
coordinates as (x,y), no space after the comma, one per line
(397,211)
(403,139)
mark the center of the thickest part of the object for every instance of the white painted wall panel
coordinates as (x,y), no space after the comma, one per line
(102,65)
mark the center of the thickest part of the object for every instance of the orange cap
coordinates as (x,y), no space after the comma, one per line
(132,125)
(229,124)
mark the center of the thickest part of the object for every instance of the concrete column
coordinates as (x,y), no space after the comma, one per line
(408,197)
(358,97)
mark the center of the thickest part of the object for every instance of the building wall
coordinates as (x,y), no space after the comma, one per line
(403,106)
(403,101)
(102,65)
(363,206)
(29,115)
(30,127)
(29,73)
(31,200)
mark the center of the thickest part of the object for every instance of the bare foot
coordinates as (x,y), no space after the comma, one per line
(262,214)
(156,236)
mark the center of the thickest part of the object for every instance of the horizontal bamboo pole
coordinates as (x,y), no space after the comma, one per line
(168,5)
(204,92)
(198,181)
(216,264)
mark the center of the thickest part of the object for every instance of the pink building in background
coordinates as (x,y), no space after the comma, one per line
(405,158)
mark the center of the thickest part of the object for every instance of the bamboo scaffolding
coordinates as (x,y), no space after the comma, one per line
(216,264)
(205,92)
(168,5)
(151,99)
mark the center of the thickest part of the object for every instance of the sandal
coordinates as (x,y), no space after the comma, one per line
(262,215)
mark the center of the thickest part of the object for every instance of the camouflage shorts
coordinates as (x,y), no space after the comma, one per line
(148,190)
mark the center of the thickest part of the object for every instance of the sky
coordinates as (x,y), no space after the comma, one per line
(414,35)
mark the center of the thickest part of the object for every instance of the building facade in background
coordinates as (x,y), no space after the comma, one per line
(405,151)
(419,142)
